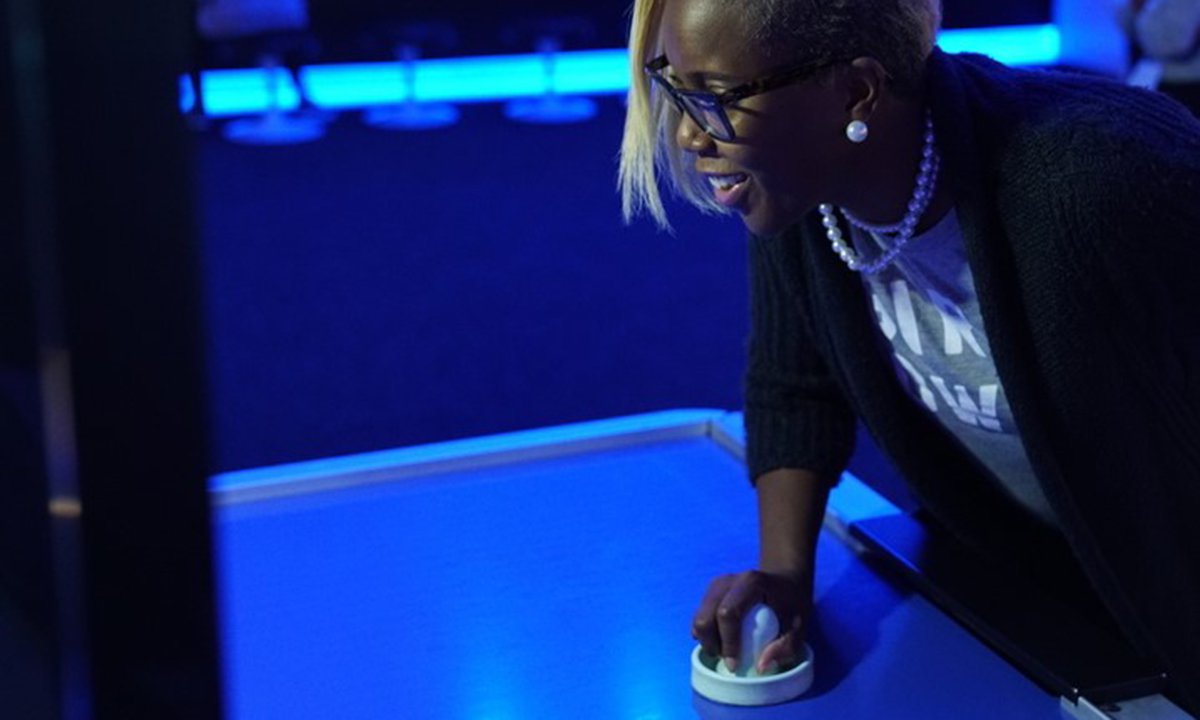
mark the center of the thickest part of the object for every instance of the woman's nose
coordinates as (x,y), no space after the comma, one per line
(690,135)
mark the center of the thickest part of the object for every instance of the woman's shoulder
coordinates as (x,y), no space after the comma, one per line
(1075,161)
(1047,94)
(1070,123)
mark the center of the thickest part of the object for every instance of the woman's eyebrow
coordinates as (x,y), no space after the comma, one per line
(700,78)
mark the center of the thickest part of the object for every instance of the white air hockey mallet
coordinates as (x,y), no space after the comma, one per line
(714,681)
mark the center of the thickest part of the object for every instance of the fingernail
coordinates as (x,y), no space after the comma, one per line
(731,664)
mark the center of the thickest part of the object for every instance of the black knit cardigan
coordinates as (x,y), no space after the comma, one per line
(1079,201)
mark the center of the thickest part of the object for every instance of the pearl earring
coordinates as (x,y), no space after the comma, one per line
(857,131)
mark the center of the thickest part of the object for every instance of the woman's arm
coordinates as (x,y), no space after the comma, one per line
(796,415)
(796,418)
(791,508)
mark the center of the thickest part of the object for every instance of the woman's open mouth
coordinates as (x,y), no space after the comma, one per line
(729,189)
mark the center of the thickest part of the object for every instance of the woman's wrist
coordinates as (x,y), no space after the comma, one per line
(791,508)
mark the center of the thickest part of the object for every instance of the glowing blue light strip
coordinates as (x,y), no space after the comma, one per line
(473,79)
(245,91)
(503,77)
(1015,45)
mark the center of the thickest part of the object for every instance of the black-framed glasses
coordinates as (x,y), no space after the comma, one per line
(707,109)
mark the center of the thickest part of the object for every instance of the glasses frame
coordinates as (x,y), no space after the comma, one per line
(694,103)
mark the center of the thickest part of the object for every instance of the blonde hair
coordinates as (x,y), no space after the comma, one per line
(648,148)
(899,33)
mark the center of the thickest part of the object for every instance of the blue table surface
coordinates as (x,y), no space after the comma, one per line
(560,588)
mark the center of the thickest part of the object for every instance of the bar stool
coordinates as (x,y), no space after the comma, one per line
(279,55)
(549,36)
(405,43)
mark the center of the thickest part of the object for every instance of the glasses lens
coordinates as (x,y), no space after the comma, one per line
(669,92)
(703,109)
(709,115)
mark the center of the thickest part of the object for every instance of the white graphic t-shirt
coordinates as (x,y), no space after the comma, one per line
(928,314)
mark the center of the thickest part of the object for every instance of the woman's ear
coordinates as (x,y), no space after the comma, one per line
(863,80)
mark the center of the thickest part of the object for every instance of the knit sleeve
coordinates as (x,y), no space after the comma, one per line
(795,414)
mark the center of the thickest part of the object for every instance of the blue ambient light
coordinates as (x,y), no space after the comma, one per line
(187,94)
(1014,45)
(470,79)
(507,77)
(247,91)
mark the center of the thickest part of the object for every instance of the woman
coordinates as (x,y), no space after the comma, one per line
(990,268)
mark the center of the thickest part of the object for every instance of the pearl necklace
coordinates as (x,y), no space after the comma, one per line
(902,231)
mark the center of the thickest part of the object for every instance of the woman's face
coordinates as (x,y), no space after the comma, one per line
(784,158)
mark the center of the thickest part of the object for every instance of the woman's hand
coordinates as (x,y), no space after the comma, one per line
(717,625)
(791,506)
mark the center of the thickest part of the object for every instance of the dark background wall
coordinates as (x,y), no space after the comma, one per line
(482,26)
(380,289)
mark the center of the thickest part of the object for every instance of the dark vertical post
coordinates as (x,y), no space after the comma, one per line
(28,622)
(107,234)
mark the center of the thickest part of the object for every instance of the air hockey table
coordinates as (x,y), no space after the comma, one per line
(553,574)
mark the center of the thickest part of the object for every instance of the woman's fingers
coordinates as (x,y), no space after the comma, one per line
(781,652)
(717,625)
(704,624)
(745,590)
